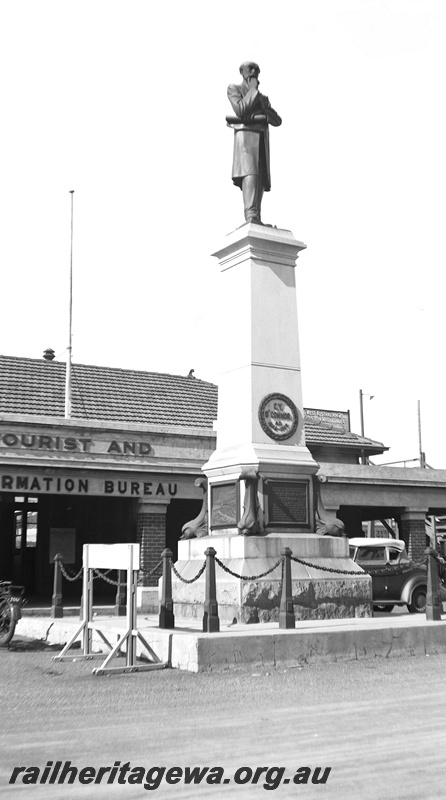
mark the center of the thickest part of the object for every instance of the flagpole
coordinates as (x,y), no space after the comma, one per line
(69,349)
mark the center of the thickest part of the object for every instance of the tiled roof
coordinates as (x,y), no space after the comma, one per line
(31,386)
(322,433)
(37,387)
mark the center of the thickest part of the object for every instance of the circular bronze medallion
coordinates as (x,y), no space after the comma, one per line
(278,416)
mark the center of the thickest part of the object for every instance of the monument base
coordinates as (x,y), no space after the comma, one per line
(317,594)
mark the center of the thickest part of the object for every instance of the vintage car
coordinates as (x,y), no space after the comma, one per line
(405,585)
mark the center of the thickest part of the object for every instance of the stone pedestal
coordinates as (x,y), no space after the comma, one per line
(260,432)
(316,594)
(260,477)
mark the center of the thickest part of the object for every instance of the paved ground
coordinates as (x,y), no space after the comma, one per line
(378,724)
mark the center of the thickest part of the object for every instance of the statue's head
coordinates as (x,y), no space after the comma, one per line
(249,69)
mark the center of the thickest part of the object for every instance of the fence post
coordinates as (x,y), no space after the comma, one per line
(166,615)
(56,605)
(286,613)
(433,603)
(211,622)
(120,604)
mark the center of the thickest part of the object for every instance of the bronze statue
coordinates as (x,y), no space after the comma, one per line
(250,168)
(249,523)
(198,527)
(334,528)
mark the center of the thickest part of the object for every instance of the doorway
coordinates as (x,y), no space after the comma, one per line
(178,513)
(26,531)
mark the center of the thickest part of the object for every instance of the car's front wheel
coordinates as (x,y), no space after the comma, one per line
(377,607)
(418,601)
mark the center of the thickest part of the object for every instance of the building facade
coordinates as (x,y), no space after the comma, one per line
(123,468)
(126,467)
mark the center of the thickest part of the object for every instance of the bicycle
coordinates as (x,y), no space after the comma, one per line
(11,600)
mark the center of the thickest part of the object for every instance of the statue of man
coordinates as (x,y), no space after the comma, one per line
(250,168)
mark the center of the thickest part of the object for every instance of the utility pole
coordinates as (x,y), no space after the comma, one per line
(69,349)
(422,454)
(364,459)
(361,411)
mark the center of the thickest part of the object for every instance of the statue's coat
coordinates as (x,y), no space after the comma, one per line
(251,139)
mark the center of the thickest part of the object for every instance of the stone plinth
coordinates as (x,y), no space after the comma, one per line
(317,594)
(259,348)
(260,411)
(260,477)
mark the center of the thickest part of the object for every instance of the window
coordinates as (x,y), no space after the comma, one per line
(371,554)
(25,523)
(31,529)
(18,522)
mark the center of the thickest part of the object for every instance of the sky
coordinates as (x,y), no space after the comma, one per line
(124,102)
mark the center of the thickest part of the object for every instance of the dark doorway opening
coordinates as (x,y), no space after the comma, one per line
(31,528)
(178,513)
(26,516)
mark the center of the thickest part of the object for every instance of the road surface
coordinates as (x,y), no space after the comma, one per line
(379,725)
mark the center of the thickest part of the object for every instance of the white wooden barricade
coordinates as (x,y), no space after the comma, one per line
(110,556)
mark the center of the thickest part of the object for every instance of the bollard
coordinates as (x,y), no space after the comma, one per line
(120,600)
(56,605)
(166,615)
(433,603)
(211,622)
(286,613)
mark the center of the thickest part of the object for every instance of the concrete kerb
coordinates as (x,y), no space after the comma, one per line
(186,647)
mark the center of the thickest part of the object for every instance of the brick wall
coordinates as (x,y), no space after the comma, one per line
(413,531)
(151,535)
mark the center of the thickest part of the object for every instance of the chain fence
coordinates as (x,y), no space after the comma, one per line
(398,569)
(67,575)
(151,571)
(185,580)
(249,577)
(78,575)
(393,569)
(325,569)
(104,575)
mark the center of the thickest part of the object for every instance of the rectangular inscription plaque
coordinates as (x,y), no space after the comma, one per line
(287,503)
(224,505)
